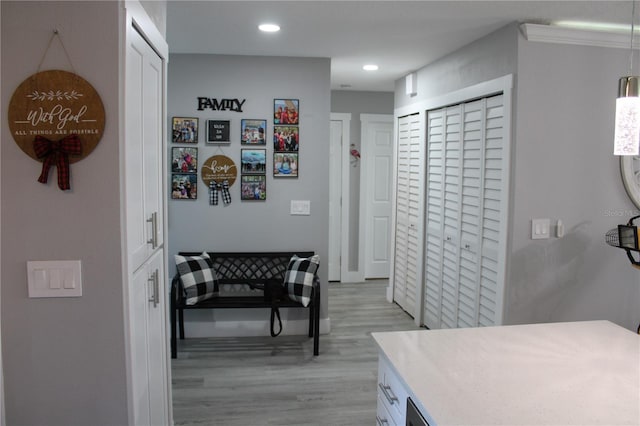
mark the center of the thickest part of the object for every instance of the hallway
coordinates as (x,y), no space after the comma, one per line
(277,381)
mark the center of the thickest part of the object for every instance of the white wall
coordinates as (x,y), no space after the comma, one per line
(254,225)
(565,169)
(64,358)
(157,11)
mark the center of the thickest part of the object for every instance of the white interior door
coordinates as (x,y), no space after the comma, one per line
(376,191)
(339,198)
(335,199)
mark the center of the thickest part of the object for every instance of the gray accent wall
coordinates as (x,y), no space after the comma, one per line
(195,225)
(485,59)
(63,358)
(562,167)
(356,103)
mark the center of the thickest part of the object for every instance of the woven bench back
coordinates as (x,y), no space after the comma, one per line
(240,267)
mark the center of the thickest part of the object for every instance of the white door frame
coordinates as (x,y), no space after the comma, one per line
(365,119)
(2,416)
(345,274)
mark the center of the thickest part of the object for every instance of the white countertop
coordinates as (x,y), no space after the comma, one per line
(576,373)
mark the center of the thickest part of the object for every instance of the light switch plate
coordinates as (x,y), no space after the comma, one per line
(301,207)
(54,278)
(540,229)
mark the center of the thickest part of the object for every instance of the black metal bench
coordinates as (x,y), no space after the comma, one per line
(250,270)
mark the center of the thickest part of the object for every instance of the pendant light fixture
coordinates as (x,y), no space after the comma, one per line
(627,126)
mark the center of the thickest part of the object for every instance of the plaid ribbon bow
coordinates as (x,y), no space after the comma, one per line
(214,187)
(56,152)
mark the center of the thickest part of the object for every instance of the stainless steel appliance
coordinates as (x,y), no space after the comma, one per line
(414,418)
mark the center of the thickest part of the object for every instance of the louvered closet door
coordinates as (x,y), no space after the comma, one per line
(408,214)
(470,195)
(451,217)
(494,213)
(465,208)
(433,218)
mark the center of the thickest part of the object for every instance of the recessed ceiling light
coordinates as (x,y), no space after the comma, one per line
(370,67)
(269,28)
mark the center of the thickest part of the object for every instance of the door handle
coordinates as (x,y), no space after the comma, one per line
(386,390)
(381,422)
(154,230)
(155,288)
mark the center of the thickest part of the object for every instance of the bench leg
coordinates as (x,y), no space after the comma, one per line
(174,344)
(316,332)
(311,318)
(181,323)
(316,324)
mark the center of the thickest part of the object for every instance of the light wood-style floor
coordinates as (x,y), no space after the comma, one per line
(277,381)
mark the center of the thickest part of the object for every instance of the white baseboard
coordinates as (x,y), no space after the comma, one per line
(249,328)
(352,277)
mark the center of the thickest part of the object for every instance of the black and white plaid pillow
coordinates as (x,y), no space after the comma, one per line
(298,280)
(198,277)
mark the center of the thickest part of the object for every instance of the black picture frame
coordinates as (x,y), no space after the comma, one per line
(184,186)
(286,138)
(286,165)
(253,132)
(184,159)
(286,111)
(184,130)
(253,187)
(253,161)
(218,132)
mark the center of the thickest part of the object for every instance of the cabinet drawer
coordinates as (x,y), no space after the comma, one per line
(383,417)
(392,392)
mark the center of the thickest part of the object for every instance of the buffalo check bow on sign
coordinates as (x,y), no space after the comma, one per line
(56,117)
(214,187)
(219,173)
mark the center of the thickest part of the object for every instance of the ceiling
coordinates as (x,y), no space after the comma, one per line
(398,36)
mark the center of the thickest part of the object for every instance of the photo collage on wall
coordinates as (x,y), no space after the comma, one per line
(184,159)
(286,138)
(253,161)
(254,150)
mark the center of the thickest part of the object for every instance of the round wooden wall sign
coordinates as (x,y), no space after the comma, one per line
(55,104)
(219,168)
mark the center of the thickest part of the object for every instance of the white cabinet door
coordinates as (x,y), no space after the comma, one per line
(148,343)
(408,241)
(143,187)
(143,156)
